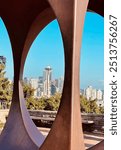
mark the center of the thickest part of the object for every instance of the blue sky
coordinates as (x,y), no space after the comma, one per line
(47,49)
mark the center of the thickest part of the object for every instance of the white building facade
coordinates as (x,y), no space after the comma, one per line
(47,79)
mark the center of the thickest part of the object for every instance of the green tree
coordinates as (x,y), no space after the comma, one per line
(5,88)
(28,91)
(89,106)
(84,104)
(94,107)
(51,103)
(31,102)
(42,103)
(101,109)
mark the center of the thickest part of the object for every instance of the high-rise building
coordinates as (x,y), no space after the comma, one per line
(53,89)
(82,91)
(99,95)
(60,84)
(47,78)
(47,73)
(2,60)
(39,92)
(93,94)
(40,80)
(44,85)
(34,84)
(26,80)
(57,83)
(40,88)
(88,92)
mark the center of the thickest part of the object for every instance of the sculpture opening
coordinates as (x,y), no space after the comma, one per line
(44,77)
(92,78)
(6,74)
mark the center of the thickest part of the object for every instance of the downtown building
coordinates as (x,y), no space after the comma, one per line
(2,60)
(45,86)
(34,85)
(47,79)
(93,94)
(100,96)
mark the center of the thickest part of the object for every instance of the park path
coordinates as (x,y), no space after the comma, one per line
(90,139)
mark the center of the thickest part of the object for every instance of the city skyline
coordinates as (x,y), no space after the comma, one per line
(40,76)
(37,77)
(47,86)
(44,52)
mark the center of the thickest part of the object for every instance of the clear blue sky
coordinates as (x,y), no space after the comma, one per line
(47,49)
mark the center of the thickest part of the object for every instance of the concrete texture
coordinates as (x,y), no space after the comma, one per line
(24,20)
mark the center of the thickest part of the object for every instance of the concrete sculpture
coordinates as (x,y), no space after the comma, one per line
(24,20)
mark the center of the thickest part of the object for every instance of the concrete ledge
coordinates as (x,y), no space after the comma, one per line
(98,119)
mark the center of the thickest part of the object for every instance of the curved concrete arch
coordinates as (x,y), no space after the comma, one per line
(41,21)
(68,118)
(45,18)
(48,13)
(30,138)
(97,7)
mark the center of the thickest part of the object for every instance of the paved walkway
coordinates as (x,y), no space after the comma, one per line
(89,139)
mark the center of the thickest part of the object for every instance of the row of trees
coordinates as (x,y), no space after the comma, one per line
(5,87)
(52,103)
(90,106)
(43,103)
